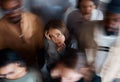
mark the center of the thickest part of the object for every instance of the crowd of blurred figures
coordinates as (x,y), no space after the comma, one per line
(59,40)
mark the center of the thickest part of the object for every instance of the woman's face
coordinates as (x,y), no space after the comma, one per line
(66,74)
(56,36)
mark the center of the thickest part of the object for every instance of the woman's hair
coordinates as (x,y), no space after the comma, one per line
(8,56)
(57,24)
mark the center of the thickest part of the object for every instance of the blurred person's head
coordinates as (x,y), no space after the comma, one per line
(71,67)
(112,17)
(12,10)
(86,7)
(11,65)
(56,31)
(96,2)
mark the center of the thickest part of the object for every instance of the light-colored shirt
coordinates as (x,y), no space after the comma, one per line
(103,41)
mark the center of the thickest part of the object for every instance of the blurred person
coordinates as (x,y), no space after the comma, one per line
(57,40)
(72,67)
(111,66)
(86,12)
(14,69)
(21,31)
(89,11)
(98,37)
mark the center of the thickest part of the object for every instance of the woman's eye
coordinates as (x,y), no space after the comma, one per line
(58,35)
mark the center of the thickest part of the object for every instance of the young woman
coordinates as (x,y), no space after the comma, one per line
(86,11)
(72,67)
(57,39)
